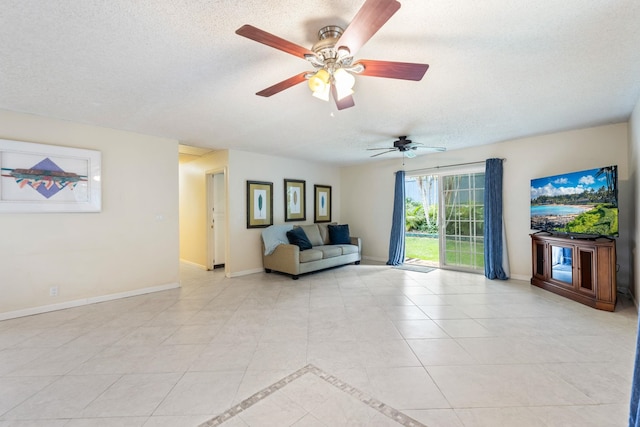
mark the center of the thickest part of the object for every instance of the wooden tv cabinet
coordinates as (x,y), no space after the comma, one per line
(580,269)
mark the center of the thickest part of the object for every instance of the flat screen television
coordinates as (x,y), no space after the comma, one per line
(577,204)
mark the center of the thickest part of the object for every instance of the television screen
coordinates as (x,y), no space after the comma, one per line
(583,203)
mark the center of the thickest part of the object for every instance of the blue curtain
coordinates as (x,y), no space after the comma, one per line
(634,412)
(493,227)
(396,243)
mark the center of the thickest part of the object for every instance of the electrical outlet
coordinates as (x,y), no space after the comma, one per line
(53,291)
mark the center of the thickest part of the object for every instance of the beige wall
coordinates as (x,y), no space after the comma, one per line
(243,245)
(634,178)
(130,247)
(369,212)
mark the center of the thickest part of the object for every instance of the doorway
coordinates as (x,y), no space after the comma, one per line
(445,220)
(216,220)
(422,243)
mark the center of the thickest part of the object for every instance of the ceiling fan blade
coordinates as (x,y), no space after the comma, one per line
(393,70)
(256,34)
(418,145)
(380,154)
(385,148)
(285,84)
(410,154)
(346,102)
(370,18)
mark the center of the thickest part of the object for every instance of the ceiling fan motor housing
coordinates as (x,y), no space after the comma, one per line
(326,50)
(403,144)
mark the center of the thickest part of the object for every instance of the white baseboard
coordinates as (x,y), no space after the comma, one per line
(85,301)
(194,264)
(246,272)
(373,258)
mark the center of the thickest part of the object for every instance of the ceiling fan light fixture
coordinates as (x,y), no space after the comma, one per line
(322,93)
(342,93)
(344,82)
(343,79)
(319,80)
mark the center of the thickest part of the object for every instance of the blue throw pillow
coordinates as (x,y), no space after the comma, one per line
(339,234)
(298,237)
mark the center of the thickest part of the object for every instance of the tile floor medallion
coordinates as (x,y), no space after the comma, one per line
(312,401)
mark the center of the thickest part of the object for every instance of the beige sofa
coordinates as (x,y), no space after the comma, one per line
(288,258)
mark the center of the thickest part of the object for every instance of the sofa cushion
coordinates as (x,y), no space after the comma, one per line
(313,234)
(310,255)
(297,237)
(273,236)
(329,251)
(324,233)
(339,234)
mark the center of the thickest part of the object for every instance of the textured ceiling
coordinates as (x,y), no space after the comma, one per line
(175,68)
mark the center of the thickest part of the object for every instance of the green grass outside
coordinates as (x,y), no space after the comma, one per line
(427,248)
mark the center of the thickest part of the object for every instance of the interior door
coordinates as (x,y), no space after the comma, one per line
(216,217)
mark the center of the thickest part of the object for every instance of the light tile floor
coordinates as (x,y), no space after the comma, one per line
(444,349)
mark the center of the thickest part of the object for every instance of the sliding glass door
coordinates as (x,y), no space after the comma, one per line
(462,221)
(445,219)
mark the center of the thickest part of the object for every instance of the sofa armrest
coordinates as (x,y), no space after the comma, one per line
(358,242)
(285,258)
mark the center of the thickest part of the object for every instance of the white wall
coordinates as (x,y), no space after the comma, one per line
(129,247)
(367,190)
(634,178)
(243,245)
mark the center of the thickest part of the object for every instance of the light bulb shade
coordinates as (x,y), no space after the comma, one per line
(343,92)
(319,80)
(322,93)
(343,79)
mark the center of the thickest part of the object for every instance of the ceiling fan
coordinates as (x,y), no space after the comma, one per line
(406,147)
(332,56)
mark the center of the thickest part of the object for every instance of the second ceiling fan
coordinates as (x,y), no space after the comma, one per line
(332,57)
(406,147)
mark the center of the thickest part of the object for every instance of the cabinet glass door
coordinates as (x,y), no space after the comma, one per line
(562,264)
(538,257)
(585,270)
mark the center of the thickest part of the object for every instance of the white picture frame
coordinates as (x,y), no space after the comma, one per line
(41,178)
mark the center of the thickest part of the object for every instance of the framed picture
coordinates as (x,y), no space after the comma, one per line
(322,203)
(49,178)
(295,200)
(259,204)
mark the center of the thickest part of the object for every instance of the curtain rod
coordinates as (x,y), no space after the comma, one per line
(449,166)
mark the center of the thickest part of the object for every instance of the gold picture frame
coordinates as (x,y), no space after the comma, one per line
(295,200)
(259,204)
(322,201)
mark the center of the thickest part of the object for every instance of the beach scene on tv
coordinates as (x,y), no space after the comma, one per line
(577,203)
